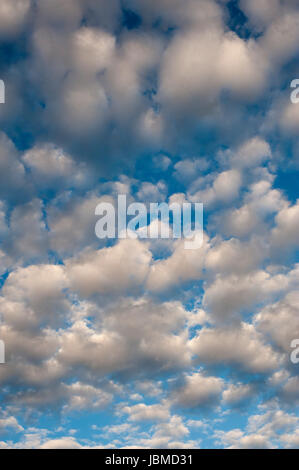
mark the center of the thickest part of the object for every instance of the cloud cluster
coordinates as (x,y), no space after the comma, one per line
(162,101)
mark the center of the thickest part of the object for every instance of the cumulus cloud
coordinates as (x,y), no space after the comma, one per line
(110,270)
(142,412)
(231,294)
(237,394)
(72,222)
(26,241)
(134,334)
(181,266)
(193,80)
(198,390)
(280,320)
(52,168)
(162,101)
(13,16)
(242,346)
(224,189)
(252,153)
(13,179)
(284,235)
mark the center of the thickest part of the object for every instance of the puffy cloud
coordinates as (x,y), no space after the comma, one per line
(240,222)
(10,422)
(191,79)
(13,180)
(84,106)
(67,442)
(38,288)
(285,235)
(183,265)
(273,421)
(236,439)
(135,336)
(151,126)
(237,394)
(254,216)
(280,321)
(83,396)
(261,12)
(93,50)
(100,12)
(224,189)
(198,390)
(233,256)
(252,153)
(149,192)
(290,390)
(227,185)
(171,433)
(173,13)
(281,37)
(142,412)
(110,270)
(27,239)
(68,13)
(13,17)
(289,119)
(264,199)
(187,88)
(229,295)
(149,388)
(188,75)
(51,167)
(188,169)
(291,441)
(242,67)
(240,346)
(262,431)
(72,222)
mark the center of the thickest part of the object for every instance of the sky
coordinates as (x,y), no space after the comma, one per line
(129,343)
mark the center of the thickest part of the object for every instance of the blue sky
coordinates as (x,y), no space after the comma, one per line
(142,343)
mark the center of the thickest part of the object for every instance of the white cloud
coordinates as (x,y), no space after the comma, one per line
(10,422)
(237,393)
(285,234)
(85,397)
(233,256)
(183,265)
(72,222)
(12,171)
(142,412)
(252,153)
(261,12)
(240,346)
(67,442)
(135,336)
(13,16)
(225,189)
(110,270)
(229,295)
(198,390)
(280,320)
(92,50)
(281,38)
(51,167)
